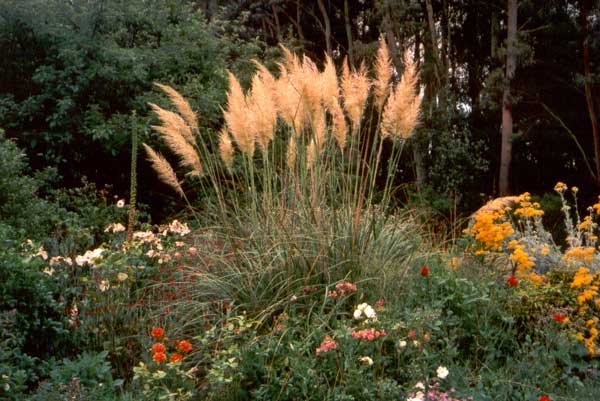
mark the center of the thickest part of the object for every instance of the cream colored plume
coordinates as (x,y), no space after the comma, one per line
(383,72)
(401,113)
(164,170)
(288,97)
(174,121)
(226,149)
(290,154)
(188,157)
(355,91)
(262,112)
(237,117)
(182,105)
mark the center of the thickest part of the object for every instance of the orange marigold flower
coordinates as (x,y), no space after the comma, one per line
(157,332)
(159,347)
(176,357)
(184,346)
(159,357)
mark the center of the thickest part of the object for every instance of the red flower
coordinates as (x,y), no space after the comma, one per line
(513,281)
(424,271)
(176,357)
(544,397)
(184,346)
(159,357)
(157,332)
(158,347)
(559,317)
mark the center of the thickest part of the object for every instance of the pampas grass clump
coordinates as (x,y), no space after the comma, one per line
(301,210)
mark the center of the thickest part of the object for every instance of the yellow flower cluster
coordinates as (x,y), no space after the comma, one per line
(579,254)
(590,341)
(588,301)
(560,187)
(491,229)
(524,261)
(582,278)
(527,208)
(596,206)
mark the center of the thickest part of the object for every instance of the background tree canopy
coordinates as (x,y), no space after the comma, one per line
(77,75)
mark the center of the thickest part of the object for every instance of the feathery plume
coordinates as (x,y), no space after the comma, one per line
(319,128)
(226,149)
(401,113)
(311,89)
(290,154)
(355,91)
(289,100)
(182,148)
(330,90)
(174,121)
(340,128)
(263,111)
(164,170)
(236,117)
(383,72)
(182,105)
(311,153)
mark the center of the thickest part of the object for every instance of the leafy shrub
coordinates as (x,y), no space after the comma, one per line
(88,377)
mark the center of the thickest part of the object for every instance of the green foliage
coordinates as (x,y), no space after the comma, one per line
(20,206)
(88,377)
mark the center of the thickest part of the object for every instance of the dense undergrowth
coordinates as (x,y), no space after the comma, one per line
(300,278)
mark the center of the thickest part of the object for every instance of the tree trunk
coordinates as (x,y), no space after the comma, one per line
(349,32)
(507,118)
(588,90)
(434,42)
(327,23)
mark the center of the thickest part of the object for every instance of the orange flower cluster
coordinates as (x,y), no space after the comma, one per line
(369,334)
(159,349)
(342,289)
(327,344)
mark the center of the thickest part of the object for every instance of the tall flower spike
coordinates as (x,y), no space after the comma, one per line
(383,70)
(355,91)
(164,169)
(236,117)
(401,113)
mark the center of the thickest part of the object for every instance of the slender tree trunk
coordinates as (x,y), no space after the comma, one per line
(327,24)
(494,34)
(417,157)
(349,32)
(507,118)
(588,89)
(298,23)
(277,23)
(434,42)
(391,38)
